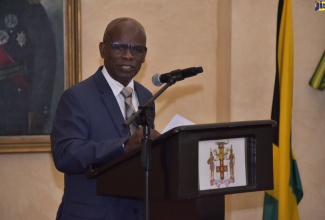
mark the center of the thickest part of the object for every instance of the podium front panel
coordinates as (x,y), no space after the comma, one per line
(175,168)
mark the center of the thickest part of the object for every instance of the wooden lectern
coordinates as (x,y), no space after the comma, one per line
(182,183)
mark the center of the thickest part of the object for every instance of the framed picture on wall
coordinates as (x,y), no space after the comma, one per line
(39,59)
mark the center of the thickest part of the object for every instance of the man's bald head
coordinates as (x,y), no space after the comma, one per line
(122,36)
(119,24)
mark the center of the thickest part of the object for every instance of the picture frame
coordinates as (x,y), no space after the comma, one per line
(72,73)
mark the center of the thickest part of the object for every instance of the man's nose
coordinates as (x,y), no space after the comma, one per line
(128,54)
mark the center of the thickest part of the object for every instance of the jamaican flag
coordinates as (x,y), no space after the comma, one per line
(281,202)
(317,81)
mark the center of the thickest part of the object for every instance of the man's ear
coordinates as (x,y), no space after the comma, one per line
(144,58)
(102,49)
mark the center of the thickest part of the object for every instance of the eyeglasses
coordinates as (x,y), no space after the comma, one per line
(120,48)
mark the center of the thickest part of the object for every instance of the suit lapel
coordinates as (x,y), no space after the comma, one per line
(110,103)
(142,99)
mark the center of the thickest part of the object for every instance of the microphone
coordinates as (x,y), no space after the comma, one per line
(159,79)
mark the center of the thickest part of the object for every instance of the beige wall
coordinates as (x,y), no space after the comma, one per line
(175,40)
(234,41)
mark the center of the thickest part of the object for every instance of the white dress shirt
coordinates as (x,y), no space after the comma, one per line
(117,88)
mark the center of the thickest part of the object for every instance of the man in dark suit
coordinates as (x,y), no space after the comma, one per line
(88,127)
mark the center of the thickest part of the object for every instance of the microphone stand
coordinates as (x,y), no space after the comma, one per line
(143,118)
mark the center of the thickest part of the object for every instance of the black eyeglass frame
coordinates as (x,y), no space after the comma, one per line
(121,48)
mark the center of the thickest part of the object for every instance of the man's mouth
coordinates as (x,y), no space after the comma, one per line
(126,67)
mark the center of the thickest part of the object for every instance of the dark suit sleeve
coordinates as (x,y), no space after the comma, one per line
(72,149)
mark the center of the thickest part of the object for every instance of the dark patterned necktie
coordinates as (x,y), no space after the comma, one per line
(129,108)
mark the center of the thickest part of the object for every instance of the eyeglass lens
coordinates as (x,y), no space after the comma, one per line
(122,48)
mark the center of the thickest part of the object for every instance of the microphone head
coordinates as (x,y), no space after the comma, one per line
(155,79)
(199,69)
